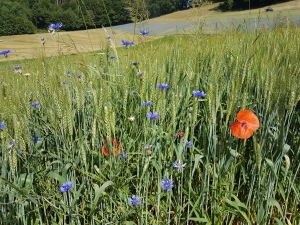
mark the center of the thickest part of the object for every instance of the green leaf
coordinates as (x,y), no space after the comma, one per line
(65,170)
(232,203)
(57,177)
(98,191)
(26,180)
(286,148)
(156,166)
(273,202)
(278,221)
(38,144)
(234,153)
(77,195)
(103,187)
(237,204)
(261,212)
(180,150)
(271,165)
(146,165)
(129,223)
(203,220)
(245,217)
(20,191)
(287,165)
(281,190)
(197,159)
(195,206)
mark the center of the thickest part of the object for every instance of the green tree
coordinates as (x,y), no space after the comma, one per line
(161,7)
(41,14)
(15,19)
(227,4)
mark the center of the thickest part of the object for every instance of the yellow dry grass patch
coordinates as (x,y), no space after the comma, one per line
(61,43)
(29,46)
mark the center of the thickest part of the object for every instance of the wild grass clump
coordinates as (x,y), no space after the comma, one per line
(95,139)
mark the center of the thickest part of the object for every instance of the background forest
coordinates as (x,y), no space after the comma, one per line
(30,16)
(27,16)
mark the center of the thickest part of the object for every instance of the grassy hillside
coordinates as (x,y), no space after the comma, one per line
(184,129)
(60,116)
(206,17)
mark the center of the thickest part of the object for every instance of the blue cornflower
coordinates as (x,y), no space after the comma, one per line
(2,125)
(64,83)
(134,200)
(68,74)
(179,166)
(149,103)
(153,116)
(43,40)
(5,52)
(36,139)
(112,57)
(79,76)
(124,155)
(18,69)
(188,143)
(54,27)
(167,184)
(144,32)
(135,63)
(126,43)
(35,104)
(133,93)
(140,73)
(199,94)
(65,187)
(163,86)
(12,144)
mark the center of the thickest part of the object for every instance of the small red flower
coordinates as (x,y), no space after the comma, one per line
(116,147)
(181,134)
(246,125)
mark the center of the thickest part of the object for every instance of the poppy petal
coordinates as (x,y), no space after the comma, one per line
(116,151)
(105,151)
(116,148)
(240,131)
(249,117)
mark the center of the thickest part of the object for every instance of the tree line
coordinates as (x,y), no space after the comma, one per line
(29,16)
(247,4)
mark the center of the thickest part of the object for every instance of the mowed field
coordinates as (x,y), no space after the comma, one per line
(29,46)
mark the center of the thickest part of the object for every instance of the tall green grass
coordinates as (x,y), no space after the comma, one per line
(225,181)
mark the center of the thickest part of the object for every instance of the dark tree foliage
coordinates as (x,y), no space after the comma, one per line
(15,19)
(161,7)
(246,4)
(26,16)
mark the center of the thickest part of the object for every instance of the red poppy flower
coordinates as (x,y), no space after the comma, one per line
(116,147)
(246,125)
(181,134)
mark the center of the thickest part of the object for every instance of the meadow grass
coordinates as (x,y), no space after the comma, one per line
(60,116)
